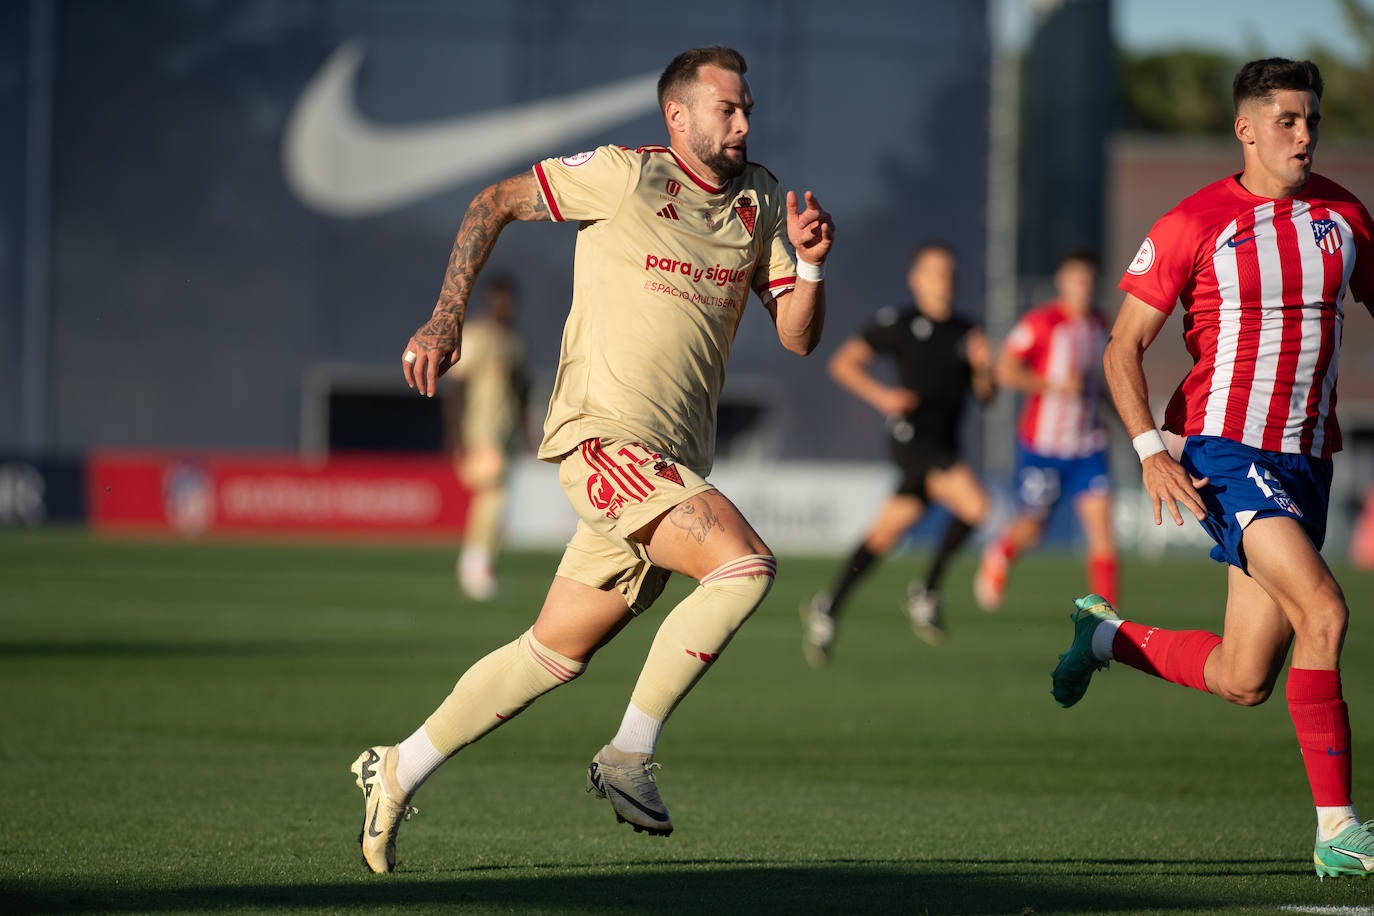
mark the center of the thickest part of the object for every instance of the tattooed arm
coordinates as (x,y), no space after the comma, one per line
(437,345)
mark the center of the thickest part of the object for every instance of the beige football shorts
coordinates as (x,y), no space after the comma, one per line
(617,487)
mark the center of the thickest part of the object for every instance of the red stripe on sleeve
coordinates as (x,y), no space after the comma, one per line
(547,192)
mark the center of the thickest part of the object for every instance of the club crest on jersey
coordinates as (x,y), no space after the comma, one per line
(673,187)
(748,212)
(668,471)
(1327,235)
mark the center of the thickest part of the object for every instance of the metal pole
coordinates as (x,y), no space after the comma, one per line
(35,321)
(1003,190)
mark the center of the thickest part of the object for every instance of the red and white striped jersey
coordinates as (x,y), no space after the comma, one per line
(1261,282)
(1059,346)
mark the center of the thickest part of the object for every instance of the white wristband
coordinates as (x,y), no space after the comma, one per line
(1148,443)
(808,271)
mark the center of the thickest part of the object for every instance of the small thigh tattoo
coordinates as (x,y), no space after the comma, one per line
(696,519)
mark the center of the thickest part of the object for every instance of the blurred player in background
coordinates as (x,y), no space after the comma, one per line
(939,358)
(671,242)
(484,419)
(1053,356)
(1261,261)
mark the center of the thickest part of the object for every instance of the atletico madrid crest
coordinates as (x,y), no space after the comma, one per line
(748,213)
(1327,235)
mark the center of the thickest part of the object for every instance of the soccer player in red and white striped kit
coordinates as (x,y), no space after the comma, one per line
(1261,262)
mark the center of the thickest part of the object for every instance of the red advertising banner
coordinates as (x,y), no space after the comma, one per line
(222,493)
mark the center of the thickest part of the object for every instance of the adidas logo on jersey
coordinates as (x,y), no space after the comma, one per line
(669,212)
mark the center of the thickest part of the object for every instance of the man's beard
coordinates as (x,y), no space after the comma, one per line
(718,161)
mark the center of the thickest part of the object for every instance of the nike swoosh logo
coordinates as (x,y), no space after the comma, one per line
(372,827)
(650,812)
(1332,752)
(1234,242)
(342,164)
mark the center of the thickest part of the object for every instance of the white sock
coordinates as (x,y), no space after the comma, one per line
(417,758)
(1102,639)
(475,559)
(1332,820)
(638,733)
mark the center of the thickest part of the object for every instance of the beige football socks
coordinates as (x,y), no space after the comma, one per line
(496,689)
(696,631)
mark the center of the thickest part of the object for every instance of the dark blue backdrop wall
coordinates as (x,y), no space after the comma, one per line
(192,284)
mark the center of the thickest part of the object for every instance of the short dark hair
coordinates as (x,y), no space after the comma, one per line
(1078,256)
(1260,79)
(682,72)
(926,248)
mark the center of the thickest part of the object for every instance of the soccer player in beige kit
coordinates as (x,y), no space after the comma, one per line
(484,421)
(670,242)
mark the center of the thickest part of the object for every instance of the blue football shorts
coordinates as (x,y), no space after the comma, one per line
(1041,481)
(1246,483)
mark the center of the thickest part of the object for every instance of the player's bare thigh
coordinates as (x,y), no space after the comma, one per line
(895,516)
(699,535)
(958,489)
(577,620)
(1283,562)
(1289,590)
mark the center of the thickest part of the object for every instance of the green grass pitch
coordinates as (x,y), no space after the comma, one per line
(178,721)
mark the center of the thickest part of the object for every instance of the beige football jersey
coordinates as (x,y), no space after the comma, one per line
(492,364)
(662,272)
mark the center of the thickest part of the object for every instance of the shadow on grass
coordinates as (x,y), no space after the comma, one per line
(955,887)
(340,647)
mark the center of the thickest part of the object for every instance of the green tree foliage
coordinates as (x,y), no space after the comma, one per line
(1187,92)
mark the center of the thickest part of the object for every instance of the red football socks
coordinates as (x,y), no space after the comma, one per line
(1178,656)
(1323,726)
(1102,577)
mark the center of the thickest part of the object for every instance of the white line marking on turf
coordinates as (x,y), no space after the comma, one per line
(1330,910)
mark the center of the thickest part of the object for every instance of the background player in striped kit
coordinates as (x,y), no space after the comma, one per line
(939,358)
(658,294)
(1053,356)
(1261,262)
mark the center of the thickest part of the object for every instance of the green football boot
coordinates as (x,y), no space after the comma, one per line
(1348,853)
(1076,666)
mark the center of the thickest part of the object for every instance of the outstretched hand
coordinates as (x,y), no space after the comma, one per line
(811,231)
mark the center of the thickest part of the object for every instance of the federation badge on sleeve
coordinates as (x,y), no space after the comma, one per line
(1144,259)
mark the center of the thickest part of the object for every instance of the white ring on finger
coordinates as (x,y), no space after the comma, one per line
(410,356)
